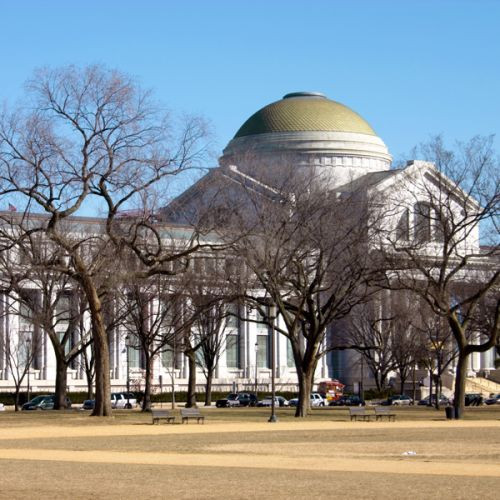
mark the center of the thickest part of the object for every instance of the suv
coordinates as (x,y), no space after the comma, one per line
(317,399)
(237,399)
(45,402)
(121,400)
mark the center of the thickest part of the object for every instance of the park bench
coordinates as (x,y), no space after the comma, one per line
(158,415)
(187,413)
(359,413)
(381,412)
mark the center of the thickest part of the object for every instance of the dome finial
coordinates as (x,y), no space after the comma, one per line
(304,94)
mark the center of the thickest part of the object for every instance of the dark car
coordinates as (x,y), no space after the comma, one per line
(493,400)
(45,402)
(348,401)
(237,399)
(443,400)
(88,404)
(473,399)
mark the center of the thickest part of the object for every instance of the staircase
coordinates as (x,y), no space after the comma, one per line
(482,385)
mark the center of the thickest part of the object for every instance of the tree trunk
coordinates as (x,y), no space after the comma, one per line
(305,386)
(459,397)
(208,387)
(191,394)
(102,406)
(102,376)
(90,389)
(61,383)
(402,384)
(430,387)
(146,402)
(16,399)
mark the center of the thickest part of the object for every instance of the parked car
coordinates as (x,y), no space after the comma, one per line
(428,401)
(493,400)
(237,399)
(88,404)
(2,407)
(122,400)
(398,400)
(279,401)
(44,402)
(348,401)
(474,399)
(316,400)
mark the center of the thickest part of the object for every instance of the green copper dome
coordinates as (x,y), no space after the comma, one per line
(304,112)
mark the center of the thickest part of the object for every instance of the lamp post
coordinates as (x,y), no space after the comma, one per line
(256,366)
(29,367)
(273,418)
(127,347)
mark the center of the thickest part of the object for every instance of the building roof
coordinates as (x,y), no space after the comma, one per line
(304,112)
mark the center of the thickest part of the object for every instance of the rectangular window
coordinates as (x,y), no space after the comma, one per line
(232,351)
(63,311)
(167,357)
(290,362)
(232,318)
(263,351)
(134,356)
(261,326)
(25,317)
(422,214)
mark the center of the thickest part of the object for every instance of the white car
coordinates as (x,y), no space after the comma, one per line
(279,401)
(120,400)
(317,399)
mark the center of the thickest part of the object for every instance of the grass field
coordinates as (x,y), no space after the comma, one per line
(237,454)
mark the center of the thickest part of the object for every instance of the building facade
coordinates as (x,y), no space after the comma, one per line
(311,134)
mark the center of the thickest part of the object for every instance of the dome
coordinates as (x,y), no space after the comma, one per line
(309,133)
(304,112)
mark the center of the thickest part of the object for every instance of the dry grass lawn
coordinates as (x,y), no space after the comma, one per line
(237,454)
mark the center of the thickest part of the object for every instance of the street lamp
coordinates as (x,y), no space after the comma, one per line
(127,348)
(256,366)
(273,418)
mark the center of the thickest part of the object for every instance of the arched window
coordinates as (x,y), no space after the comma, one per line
(422,222)
(403,227)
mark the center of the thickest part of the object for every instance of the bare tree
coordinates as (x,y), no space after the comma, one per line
(91,137)
(210,301)
(151,320)
(370,336)
(440,254)
(21,349)
(51,300)
(306,252)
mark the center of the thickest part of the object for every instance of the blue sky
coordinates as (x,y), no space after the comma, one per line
(411,68)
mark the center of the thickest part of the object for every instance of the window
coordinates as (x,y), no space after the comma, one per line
(290,362)
(422,218)
(232,318)
(263,351)
(232,351)
(261,326)
(63,311)
(134,356)
(403,227)
(167,357)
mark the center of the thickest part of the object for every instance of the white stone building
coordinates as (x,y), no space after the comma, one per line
(310,133)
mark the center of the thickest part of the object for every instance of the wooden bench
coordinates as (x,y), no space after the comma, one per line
(187,413)
(381,412)
(359,412)
(162,415)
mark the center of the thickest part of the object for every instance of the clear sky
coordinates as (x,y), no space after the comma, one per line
(410,68)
